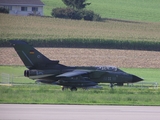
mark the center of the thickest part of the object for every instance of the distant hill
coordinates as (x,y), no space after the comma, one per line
(137,10)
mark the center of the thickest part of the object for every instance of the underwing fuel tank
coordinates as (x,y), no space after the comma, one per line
(76,83)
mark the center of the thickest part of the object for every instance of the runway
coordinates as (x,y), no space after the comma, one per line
(77,112)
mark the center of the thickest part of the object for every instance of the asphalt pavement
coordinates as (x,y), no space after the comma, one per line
(77,112)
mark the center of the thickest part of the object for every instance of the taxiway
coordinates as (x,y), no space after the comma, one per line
(77,112)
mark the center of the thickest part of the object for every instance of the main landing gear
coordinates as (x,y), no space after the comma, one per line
(71,88)
(111,85)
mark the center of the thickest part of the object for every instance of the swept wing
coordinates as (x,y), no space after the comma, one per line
(74,73)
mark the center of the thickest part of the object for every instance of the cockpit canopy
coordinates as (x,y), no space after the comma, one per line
(108,68)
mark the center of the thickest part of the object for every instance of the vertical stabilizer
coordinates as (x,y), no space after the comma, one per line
(32,58)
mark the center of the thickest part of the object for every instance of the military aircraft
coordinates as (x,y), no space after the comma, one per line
(44,70)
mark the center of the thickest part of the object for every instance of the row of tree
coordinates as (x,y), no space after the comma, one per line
(75,10)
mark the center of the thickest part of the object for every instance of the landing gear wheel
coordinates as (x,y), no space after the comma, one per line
(73,89)
(111,85)
(64,88)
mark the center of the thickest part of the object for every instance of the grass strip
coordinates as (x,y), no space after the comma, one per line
(47,94)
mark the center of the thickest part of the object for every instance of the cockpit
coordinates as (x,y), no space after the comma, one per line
(108,68)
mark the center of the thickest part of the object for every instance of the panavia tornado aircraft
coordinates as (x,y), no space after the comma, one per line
(44,70)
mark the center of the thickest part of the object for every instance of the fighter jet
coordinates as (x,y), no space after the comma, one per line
(44,70)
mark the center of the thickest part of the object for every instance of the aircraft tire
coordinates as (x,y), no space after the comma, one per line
(64,88)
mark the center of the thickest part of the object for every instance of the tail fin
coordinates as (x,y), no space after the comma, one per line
(32,58)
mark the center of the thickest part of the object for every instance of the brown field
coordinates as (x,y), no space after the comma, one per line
(90,57)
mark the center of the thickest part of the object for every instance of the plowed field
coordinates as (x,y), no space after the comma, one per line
(90,57)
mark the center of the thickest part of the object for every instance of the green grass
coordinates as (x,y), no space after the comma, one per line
(16,75)
(148,74)
(50,4)
(16,70)
(138,10)
(46,94)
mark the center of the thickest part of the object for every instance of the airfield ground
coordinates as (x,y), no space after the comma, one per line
(78,112)
(90,57)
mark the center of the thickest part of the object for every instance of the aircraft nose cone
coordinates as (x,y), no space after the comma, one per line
(136,79)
